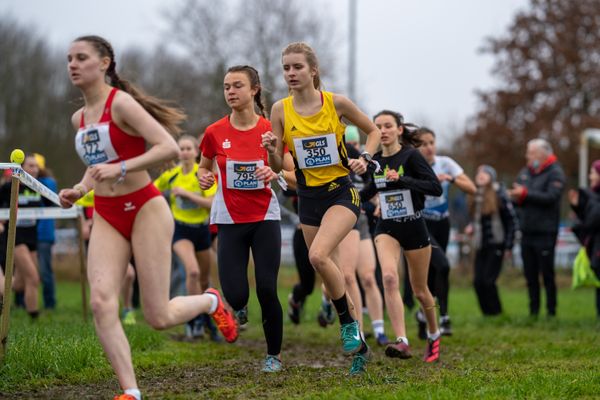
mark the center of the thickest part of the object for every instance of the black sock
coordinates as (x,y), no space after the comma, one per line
(341,305)
(34,314)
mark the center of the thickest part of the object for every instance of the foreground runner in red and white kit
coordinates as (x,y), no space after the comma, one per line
(245,208)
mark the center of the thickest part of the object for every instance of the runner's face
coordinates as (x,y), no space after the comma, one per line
(296,71)
(389,129)
(189,152)
(85,64)
(427,147)
(238,91)
(31,166)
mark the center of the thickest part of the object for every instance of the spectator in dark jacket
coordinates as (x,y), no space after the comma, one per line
(537,193)
(586,205)
(493,229)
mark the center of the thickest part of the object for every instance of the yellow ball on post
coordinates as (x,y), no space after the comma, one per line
(17,156)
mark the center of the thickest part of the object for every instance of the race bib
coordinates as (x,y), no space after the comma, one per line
(316,151)
(396,204)
(94,146)
(241,175)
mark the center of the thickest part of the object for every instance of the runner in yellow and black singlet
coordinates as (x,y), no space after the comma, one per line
(308,122)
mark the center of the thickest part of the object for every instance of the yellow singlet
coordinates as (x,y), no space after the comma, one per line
(316,143)
(185,210)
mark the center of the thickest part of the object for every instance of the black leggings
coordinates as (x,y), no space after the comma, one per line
(235,242)
(488,263)
(438,279)
(306,272)
(538,259)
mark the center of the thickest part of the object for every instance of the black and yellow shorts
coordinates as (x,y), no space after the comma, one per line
(314,202)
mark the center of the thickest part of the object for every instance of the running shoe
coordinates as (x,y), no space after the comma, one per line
(272,364)
(242,318)
(350,336)
(128,316)
(326,316)
(294,310)
(223,318)
(432,354)
(381,339)
(124,397)
(398,349)
(213,332)
(445,326)
(421,324)
(359,361)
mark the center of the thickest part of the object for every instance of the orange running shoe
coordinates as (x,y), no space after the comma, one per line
(432,354)
(223,318)
(124,397)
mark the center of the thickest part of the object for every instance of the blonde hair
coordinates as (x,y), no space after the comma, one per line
(311,58)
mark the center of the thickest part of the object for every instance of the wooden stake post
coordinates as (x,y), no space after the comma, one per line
(10,248)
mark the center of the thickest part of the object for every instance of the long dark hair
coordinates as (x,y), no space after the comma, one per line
(168,116)
(410,136)
(254,79)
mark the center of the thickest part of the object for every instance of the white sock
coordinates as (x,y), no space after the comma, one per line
(134,392)
(378,327)
(214,304)
(402,339)
(433,336)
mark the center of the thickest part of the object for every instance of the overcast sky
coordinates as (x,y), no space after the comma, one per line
(416,57)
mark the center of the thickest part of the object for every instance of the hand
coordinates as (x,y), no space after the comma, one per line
(392,175)
(265,174)
(573,196)
(1,228)
(444,178)
(177,191)
(103,172)
(269,142)
(377,212)
(206,181)
(469,229)
(517,191)
(358,165)
(68,197)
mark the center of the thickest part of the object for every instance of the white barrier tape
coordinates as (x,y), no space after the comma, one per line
(31,182)
(42,213)
(9,166)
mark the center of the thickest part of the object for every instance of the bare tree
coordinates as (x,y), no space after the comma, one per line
(225,33)
(548,64)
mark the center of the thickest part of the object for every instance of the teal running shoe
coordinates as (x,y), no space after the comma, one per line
(359,362)
(272,364)
(350,336)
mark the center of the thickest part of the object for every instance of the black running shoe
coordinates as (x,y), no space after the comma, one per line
(445,326)
(421,324)
(294,310)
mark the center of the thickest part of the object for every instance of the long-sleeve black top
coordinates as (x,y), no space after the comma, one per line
(415,175)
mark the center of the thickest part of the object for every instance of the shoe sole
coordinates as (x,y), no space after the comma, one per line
(395,353)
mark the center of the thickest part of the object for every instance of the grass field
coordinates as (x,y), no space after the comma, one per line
(505,357)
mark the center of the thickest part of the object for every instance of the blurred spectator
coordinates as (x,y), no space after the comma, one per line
(493,229)
(537,194)
(45,233)
(586,205)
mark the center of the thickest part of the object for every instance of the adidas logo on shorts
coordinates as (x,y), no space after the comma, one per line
(333,186)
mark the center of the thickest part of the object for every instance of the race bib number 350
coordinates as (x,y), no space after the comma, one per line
(316,151)
(241,175)
(396,204)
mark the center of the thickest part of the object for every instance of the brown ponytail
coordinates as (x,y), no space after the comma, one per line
(164,112)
